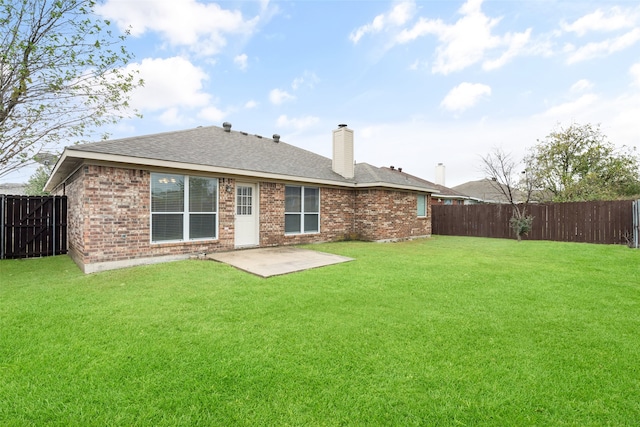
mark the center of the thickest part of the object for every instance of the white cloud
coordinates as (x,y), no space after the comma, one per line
(241,61)
(516,43)
(211,114)
(468,40)
(581,85)
(603,48)
(298,123)
(250,104)
(418,65)
(201,27)
(277,96)
(171,117)
(612,20)
(571,108)
(308,79)
(464,96)
(400,13)
(635,74)
(171,82)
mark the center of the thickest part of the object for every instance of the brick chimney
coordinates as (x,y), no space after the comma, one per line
(342,163)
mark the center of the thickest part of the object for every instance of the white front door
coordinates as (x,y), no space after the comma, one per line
(246,223)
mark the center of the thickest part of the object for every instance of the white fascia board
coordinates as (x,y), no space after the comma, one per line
(48,186)
(393,186)
(444,196)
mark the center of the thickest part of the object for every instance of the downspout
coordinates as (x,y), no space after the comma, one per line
(54,236)
(355,207)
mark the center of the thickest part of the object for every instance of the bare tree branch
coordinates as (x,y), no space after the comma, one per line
(514,182)
(61,77)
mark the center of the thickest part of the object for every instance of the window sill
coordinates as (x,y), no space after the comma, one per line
(183,242)
(302,234)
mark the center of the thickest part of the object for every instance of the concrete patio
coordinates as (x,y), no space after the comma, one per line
(267,262)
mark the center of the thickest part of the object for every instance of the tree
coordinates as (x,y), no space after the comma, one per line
(37,181)
(62,76)
(579,163)
(515,183)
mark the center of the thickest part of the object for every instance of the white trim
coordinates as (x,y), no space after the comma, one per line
(186,212)
(256,212)
(302,212)
(426,205)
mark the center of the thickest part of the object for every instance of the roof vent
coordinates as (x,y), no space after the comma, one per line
(227,126)
(276,137)
(258,136)
(392,167)
(399,169)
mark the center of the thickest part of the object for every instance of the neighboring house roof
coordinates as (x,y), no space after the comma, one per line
(213,149)
(486,190)
(448,193)
(439,190)
(13,189)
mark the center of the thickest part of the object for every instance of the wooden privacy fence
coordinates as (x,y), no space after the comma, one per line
(32,226)
(608,222)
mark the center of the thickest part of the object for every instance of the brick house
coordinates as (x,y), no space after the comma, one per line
(447,196)
(167,196)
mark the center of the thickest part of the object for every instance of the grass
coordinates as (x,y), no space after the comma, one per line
(443,331)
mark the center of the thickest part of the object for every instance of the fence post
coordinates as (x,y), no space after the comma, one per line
(2,225)
(636,223)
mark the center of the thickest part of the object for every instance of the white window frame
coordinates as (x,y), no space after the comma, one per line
(303,212)
(424,197)
(186,213)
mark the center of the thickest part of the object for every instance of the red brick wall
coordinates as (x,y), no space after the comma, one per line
(438,201)
(336,216)
(74,190)
(390,215)
(109,216)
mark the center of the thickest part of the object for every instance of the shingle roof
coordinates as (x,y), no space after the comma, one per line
(212,146)
(439,190)
(449,192)
(486,190)
(13,189)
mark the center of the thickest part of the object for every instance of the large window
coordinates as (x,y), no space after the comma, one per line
(422,205)
(302,210)
(183,207)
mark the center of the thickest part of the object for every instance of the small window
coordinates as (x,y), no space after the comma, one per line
(302,210)
(422,205)
(244,200)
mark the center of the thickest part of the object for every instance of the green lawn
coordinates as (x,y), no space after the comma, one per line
(441,331)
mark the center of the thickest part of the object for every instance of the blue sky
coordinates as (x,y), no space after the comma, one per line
(419,82)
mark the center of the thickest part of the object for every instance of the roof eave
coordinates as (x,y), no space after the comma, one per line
(393,186)
(70,155)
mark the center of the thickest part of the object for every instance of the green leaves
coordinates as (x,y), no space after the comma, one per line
(62,77)
(521,225)
(37,181)
(578,163)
